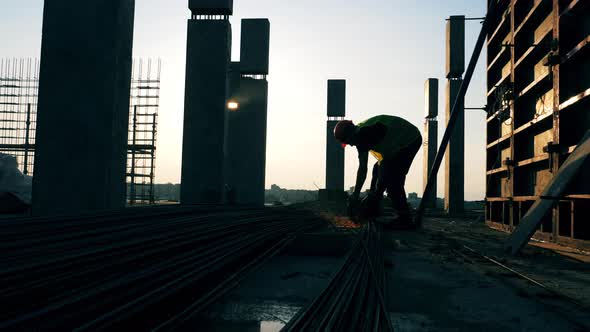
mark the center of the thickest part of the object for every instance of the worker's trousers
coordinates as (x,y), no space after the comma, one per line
(395,170)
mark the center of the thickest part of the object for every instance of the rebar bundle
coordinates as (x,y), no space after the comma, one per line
(354,300)
(144,269)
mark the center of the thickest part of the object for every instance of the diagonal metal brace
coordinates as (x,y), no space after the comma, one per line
(485,29)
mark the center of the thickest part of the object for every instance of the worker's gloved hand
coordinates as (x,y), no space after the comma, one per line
(352,206)
(371,206)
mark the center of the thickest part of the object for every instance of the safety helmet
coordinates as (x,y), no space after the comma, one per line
(343,131)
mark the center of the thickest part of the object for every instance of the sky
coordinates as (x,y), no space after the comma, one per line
(385,49)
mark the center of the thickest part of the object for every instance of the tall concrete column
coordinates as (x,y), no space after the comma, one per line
(82,118)
(233,147)
(207,64)
(247,119)
(455,154)
(247,143)
(334,150)
(430,136)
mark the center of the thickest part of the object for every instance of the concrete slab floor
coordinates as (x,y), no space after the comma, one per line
(432,286)
(429,293)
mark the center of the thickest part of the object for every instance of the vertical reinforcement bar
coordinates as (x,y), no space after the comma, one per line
(27,136)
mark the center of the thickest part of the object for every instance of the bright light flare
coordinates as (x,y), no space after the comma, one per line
(233,105)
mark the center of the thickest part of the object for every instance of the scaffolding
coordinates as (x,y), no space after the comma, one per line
(19,86)
(143,122)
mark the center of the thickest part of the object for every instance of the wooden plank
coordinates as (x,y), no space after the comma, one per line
(556,188)
(532,123)
(533,84)
(578,196)
(572,7)
(497,58)
(493,89)
(499,140)
(525,198)
(533,160)
(532,49)
(497,170)
(497,199)
(573,100)
(496,33)
(577,49)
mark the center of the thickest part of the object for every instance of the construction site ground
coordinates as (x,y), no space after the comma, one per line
(438,280)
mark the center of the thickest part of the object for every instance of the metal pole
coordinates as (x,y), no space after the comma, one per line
(27,135)
(153,157)
(455,112)
(133,147)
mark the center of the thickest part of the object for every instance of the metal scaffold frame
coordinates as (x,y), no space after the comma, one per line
(19,86)
(143,122)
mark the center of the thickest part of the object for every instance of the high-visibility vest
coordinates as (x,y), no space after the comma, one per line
(400,134)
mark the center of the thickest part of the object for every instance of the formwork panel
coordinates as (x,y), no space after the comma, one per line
(565,218)
(506,128)
(581,224)
(547,91)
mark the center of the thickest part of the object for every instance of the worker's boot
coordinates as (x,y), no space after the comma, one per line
(402,217)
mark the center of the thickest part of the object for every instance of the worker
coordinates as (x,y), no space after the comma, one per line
(394,142)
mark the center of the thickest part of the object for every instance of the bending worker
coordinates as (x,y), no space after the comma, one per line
(394,142)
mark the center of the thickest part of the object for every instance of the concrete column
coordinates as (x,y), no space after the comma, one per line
(455,154)
(455,47)
(247,124)
(334,150)
(430,136)
(247,143)
(255,46)
(207,64)
(232,141)
(82,120)
(430,150)
(334,160)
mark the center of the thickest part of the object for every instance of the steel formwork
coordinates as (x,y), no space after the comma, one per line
(19,86)
(538,73)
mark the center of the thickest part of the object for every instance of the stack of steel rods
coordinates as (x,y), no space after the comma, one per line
(135,270)
(353,300)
